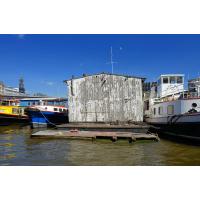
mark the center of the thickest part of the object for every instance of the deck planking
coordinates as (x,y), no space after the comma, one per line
(76,134)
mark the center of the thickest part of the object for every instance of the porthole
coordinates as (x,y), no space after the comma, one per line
(194,105)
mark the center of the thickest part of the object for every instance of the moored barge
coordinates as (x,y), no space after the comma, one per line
(173,111)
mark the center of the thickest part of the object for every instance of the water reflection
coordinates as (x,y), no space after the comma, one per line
(17,148)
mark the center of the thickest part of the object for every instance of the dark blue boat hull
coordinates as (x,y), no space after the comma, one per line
(183,132)
(45,118)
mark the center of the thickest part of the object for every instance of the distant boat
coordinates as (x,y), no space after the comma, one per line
(11,113)
(45,112)
(173,110)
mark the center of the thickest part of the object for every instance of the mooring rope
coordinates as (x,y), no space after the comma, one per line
(47,119)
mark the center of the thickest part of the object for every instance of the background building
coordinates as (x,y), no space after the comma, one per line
(105,98)
(7,91)
(194,86)
(1,88)
(21,86)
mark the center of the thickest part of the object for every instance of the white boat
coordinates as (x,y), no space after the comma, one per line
(172,109)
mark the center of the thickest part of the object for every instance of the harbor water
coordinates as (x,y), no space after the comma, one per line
(19,149)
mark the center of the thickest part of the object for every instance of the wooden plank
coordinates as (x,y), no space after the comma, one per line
(102,126)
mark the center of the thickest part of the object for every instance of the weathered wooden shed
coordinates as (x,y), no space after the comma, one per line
(105,98)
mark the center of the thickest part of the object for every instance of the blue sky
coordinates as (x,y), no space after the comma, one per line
(46,60)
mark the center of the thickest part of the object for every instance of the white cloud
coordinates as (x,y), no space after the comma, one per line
(50,83)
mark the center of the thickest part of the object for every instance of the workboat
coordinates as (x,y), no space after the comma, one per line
(45,112)
(11,112)
(172,110)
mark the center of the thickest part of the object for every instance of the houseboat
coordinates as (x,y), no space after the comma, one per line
(45,112)
(11,112)
(173,110)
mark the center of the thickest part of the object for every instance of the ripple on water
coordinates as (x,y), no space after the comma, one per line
(17,148)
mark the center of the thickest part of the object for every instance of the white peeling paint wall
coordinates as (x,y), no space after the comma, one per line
(105,98)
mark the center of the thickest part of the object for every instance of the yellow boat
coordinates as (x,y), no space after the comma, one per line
(11,112)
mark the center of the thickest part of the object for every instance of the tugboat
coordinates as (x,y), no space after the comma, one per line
(172,110)
(11,112)
(45,112)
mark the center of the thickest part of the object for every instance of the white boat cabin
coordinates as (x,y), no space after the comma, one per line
(51,108)
(167,98)
(170,84)
(176,107)
(46,104)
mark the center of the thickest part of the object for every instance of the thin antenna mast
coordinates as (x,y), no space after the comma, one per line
(111,59)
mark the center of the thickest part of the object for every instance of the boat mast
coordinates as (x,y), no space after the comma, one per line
(111,60)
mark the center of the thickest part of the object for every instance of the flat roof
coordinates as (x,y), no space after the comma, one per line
(45,98)
(127,76)
(172,75)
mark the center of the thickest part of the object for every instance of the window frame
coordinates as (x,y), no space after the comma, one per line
(165,78)
(15,111)
(154,111)
(170,113)
(177,78)
(170,80)
(160,110)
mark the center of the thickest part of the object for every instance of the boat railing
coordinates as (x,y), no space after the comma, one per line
(189,95)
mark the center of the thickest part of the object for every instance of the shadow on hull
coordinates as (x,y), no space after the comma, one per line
(182,133)
(6,121)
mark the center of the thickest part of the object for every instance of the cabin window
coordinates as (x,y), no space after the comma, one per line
(3,104)
(154,111)
(170,109)
(159,82)
(15,111)
(147,105)
(55,109)
(21,111)
(179,79)
(172,80)
(160,110)
(60,110)
(165,80)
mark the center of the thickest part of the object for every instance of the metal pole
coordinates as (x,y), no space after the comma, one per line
(111,58)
